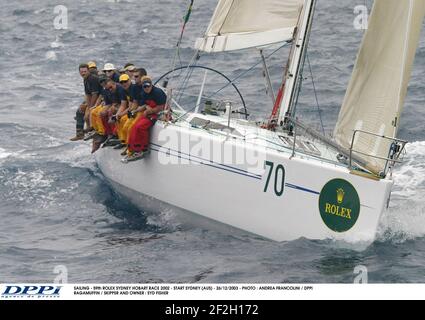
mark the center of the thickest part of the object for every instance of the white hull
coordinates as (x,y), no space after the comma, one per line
(234,194)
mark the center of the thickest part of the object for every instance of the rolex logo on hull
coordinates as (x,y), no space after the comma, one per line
(340,195)
(339,205)
(338,211)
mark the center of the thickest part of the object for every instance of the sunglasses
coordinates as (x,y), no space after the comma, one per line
(136,76)
(147,85)
(108,71)
(122,82)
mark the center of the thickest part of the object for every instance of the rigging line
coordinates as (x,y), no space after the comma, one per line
(315,94)
(186,20)
(179,58)
(231,82)
(203,97)
(194,58)
(189,72)
(184,83)
(245,72)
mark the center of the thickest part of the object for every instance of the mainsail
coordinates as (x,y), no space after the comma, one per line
(378,86)
(241,24)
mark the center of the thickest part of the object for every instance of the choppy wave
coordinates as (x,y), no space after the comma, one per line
(405,219)
(56,208)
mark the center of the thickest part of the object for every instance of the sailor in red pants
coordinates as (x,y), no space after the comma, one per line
(152,102)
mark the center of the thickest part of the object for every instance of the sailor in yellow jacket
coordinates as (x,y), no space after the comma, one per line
(121,115)
(102,105)
(133,93)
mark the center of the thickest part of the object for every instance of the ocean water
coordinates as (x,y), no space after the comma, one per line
(57,210)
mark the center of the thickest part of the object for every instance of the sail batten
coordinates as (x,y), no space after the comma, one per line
(241,24)
(375,96)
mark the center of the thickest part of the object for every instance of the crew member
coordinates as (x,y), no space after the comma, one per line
(91,90)
(134,91)
(111,72)
(119,99)
(93,67)
(152,101)
(129,70)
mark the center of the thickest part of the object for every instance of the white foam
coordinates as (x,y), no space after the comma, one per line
(410,177)
(403,223)
(4,154)
(56,43)
(165,218)
(33,187)
(40,11)
(51,55)
(405,219)
(19,154)
(79,156)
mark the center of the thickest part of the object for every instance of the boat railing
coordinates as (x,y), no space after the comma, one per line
(353,157)
(397,146)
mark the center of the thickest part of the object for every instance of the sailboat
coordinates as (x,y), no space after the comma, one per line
(281,179)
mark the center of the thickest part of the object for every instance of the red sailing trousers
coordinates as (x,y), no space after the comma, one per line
(139,135)
(109,128)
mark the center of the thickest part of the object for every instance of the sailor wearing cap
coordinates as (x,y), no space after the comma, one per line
(99,115)
(129,70)
(135,91)
(92,67)
(101,131)
(121,115)
(152,101)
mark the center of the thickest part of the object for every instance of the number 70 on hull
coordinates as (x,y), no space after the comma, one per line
(275,178)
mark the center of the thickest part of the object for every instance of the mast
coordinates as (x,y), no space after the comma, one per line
(293,76)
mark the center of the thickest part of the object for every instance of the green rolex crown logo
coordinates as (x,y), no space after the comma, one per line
(339,205)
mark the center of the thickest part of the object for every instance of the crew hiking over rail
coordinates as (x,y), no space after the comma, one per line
(119,108)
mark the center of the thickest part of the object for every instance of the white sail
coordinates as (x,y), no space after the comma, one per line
(378,86)
(241,24)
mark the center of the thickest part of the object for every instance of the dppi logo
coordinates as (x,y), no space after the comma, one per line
(30,291)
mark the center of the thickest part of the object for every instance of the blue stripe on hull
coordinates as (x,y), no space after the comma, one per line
(210,163)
